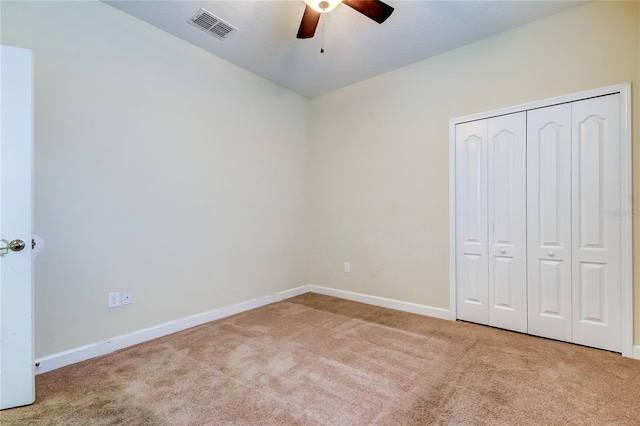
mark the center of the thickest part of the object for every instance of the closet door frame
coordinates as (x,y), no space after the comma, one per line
(626,210)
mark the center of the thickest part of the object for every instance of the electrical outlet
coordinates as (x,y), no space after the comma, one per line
(127,297)
(347,267)
(114,299)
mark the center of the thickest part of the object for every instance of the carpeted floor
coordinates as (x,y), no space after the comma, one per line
(320,360)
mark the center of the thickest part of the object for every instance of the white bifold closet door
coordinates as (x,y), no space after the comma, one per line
(471,222)
(491,221)
(573,234)
(538,237)
(549,221)
(506,189)
(596,242)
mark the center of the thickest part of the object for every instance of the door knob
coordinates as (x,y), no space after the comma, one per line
(15,245)
(503,250)
(550,253)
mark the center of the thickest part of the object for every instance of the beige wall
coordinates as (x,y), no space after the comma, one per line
(379,154)
(158,168)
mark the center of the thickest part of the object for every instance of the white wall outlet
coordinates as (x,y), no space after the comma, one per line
(114,299)
(347,267)
(127,297)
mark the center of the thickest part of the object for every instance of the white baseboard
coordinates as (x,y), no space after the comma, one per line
(83,353)
(383,302)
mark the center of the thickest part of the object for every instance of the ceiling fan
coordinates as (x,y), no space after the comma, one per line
(374,9)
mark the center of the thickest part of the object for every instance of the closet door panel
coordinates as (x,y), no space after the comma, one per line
(471,222)
(552,279)
(507,221)
(549,222)
(596,223)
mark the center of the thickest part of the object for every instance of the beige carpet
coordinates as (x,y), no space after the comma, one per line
(319,360)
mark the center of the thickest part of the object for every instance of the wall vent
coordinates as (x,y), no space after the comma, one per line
(213,25)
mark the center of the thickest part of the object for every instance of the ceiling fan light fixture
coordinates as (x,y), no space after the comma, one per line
(323,6)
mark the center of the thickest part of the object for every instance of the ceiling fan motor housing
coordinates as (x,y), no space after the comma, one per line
(323,5)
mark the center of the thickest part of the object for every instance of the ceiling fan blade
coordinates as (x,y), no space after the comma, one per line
(374,9)
(309,23)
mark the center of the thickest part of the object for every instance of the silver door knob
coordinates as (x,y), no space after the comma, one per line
(15,245)
(550,253)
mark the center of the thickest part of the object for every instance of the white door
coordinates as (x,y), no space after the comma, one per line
(549,221)
(596,223)
(16,301)
(472,275)
(507,182)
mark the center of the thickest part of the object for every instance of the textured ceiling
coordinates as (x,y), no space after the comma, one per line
(356,48)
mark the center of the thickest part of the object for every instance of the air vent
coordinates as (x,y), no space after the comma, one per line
(213,25)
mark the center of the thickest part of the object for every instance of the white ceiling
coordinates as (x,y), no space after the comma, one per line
(356,48)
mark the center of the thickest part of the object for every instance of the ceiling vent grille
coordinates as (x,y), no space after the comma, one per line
(213,25)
